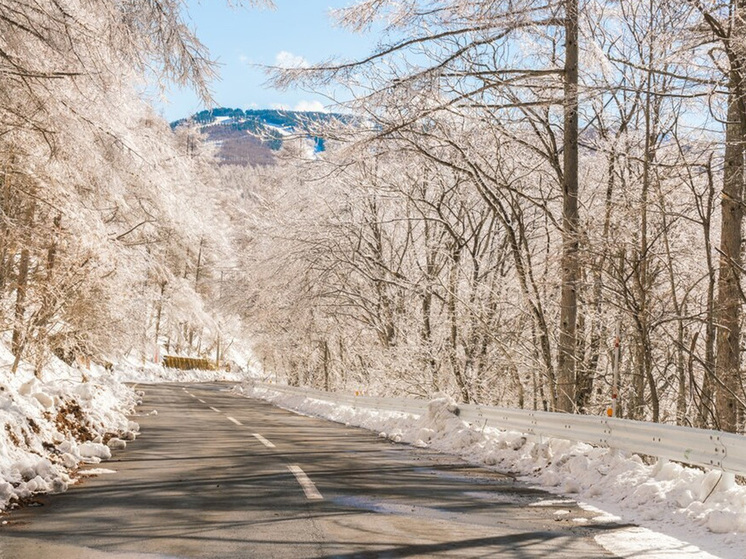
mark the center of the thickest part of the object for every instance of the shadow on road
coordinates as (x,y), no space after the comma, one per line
(197,485)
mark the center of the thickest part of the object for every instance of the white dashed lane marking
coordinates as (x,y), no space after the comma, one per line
(264,441)
(309,488)
(312,494)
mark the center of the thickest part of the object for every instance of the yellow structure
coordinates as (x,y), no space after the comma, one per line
(187,363)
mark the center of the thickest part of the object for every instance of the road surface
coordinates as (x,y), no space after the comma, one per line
(217,475)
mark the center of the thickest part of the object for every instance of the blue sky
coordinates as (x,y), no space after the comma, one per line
(240,37)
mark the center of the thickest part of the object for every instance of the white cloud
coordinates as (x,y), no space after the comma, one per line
(311,106)
(285,59)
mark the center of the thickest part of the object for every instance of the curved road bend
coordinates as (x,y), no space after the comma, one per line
(217,475)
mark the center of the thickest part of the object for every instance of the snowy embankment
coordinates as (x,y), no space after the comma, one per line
(681,512)
(50,426)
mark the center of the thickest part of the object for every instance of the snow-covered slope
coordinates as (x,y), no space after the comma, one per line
(51,425)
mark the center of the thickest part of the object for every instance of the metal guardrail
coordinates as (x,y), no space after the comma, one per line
(697,447)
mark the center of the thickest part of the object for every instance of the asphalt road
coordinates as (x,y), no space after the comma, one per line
(217,475)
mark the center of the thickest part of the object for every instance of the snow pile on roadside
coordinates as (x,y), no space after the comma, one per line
(49,426)
(683,502)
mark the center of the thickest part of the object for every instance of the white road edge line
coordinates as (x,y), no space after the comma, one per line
(312,494)
(216,410)
(236,421)
(264,441)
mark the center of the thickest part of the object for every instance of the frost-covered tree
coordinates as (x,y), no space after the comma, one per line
(451,227)
(100,217)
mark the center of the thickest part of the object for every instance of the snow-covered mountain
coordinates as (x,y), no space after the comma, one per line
(250,137)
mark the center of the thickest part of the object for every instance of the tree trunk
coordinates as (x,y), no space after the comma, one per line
(705,411)
(728,307)
(7,207)
(158,313)
(566,364)
(642,275)
(426,331)
(199,264)
(326,358)
(453,322)
(18,341)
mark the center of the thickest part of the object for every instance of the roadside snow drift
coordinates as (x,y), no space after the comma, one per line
(50,426)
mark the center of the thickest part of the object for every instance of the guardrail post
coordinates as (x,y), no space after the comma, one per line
(728,481)
(659,465)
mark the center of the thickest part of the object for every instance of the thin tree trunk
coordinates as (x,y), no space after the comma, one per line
(6,206)
(158,313)
(325,356)
(453,323)
(426,332)
(705,411)
(597,326)
(18,340)
(681,372)
(644,362)
(199,264)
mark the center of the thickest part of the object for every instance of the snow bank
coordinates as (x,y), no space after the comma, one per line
(50,425)
(698,507)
